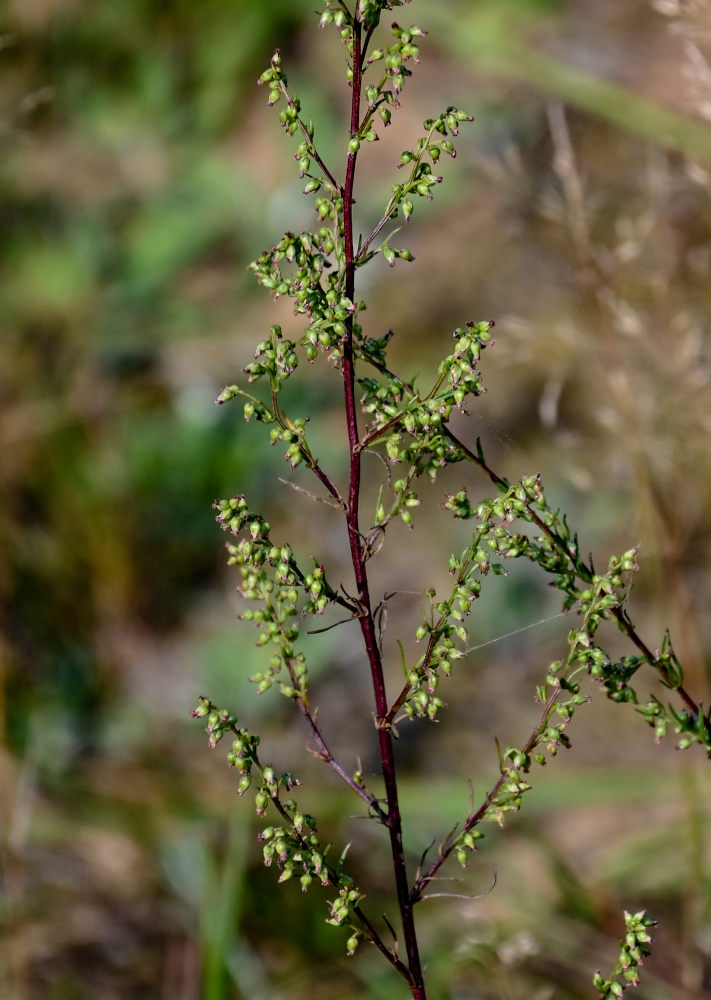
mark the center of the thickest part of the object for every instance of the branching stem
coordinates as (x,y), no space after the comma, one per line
(586,573)
(367,623)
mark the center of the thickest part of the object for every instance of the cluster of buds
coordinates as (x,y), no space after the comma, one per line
(427,415)
(294,846)
(414,429)
(297,852)
(392,254)
(431,451)
(500,540)
(403,503)
(368,14)
(242,756)
(235,516)
(422,702)
(307,253)
(253,407)
(275,77)
(219,721)
(422,180)
(656,715)
(394,57)
(461,367)
(555,551)
(382,399)
(338,17)
(465,844)
(495,539)
(614,677)
(295,849)
(412,426)
(634,948)
(292,433)
(342,906)
(513,503)
(271,577)
(442,627)
(607,591)
(509,791)
(692,727)
(370,10)
(275,357)
(289,116)
(583,655)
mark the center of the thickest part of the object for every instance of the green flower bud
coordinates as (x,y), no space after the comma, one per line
(203,708)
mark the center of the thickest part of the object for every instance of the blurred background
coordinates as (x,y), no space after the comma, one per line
(140,173)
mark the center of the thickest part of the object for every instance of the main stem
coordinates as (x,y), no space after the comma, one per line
(367,624)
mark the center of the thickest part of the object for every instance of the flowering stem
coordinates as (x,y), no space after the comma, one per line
(358,557)
(586,573)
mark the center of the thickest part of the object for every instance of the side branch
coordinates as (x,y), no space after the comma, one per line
(587,573)
(474,818)
(323,752)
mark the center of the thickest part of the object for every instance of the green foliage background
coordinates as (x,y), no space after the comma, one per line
(139,174)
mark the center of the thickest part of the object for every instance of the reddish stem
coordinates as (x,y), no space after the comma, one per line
(367,624)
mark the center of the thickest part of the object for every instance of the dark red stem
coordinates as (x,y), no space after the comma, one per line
(367,624)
